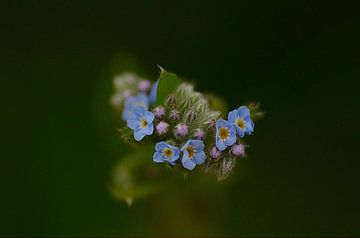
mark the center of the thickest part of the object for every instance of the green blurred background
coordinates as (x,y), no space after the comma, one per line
(300,59)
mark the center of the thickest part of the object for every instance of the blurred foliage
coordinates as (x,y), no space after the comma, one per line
(132,176)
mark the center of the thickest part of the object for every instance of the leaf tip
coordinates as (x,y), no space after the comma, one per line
(161,69)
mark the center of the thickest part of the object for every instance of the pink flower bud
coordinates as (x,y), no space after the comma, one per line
(238,149)
(144,85)
(214,153)
(159,111)
(181,130)
(199,134)
(162,128)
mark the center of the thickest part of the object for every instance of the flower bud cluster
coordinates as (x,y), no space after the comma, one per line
(185,129)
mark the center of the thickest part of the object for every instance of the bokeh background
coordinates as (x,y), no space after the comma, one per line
(300,59)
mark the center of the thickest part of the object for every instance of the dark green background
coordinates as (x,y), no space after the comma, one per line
(301,59)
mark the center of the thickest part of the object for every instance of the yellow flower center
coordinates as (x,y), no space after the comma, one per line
(190,151)
(223,133)
(168,152)
(240,123)
(143,123)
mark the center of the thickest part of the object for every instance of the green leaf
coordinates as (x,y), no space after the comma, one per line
(168,82)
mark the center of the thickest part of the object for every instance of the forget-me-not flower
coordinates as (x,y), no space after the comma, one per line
(225,134)
(241,120)
(141,122)
(140,100)
(153,92)
(193,154)
(165,152)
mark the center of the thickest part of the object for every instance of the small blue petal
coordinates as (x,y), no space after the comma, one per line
(127,113)
(139,100)
(246,118)
(249,127)
(185,155)
(148,130)
(138,135)
(185,145)
(158,157)
(149,116)
(220,144)
(231,140)
(133,123)
(243,111)
(138,111)
(221,123)
(142,97)
(199,157)
(188,163)
(152,96)
(197,144)
(240,131)
(232,117)
(176,154)
(129,102)
(160,146)
(232,131)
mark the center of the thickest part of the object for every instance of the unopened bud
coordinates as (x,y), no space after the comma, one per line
(214,153)
(162,128)
(144,85)
(238,149)
(159,111)
(181,130)
(190,116)
(171,101)
(174,115)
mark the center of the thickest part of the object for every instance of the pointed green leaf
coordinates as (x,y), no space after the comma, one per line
(168,82)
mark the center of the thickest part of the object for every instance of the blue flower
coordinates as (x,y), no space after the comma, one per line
(141,122)
(241,120)
(152,96)
(165,152)
(193,154)
(140,100)
(225,134)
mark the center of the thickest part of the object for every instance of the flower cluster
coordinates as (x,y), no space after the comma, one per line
(184,127)
(126,85)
